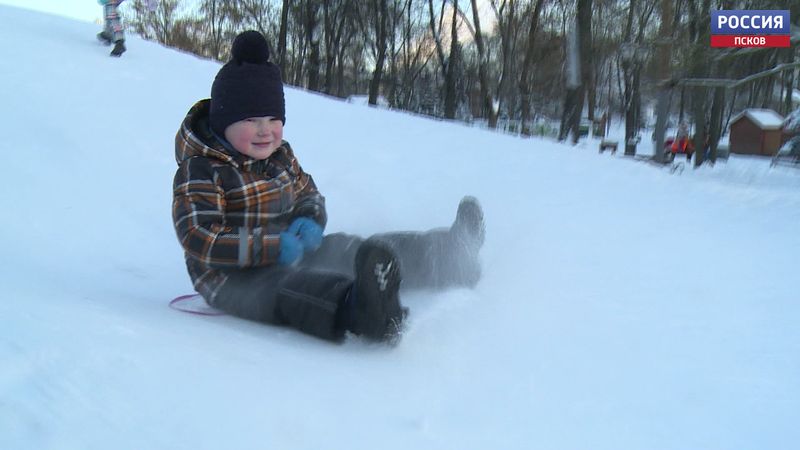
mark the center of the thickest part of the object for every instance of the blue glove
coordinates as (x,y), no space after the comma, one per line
(291,249)
(308,231)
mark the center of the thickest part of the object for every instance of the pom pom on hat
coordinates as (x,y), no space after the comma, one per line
(250,47)
(246,86)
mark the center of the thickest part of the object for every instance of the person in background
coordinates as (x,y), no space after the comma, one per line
(682,142)
(112,27)
(113,33)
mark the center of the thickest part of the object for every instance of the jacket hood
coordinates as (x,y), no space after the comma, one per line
(194,138)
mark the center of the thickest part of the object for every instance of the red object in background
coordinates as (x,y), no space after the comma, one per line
(742,41)
(682,145)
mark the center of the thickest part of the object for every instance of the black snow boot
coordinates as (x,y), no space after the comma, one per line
(119,48)
(374,304)
(104,37)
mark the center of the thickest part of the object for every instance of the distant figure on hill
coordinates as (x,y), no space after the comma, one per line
(113,33)
(112,27)
(251,220)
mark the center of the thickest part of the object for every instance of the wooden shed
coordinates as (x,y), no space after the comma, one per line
(756,132)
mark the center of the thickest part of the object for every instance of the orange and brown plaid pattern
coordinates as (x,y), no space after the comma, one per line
(228,210)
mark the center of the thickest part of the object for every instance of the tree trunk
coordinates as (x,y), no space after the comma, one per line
(443,62)
(569,111)
(699,106)
(450,94)
(312,38)
(630,68)
(591,95)
(215,20)
(488,103)
(577,73)
(341,57)
(715,130)
(587,55)
(380,24)
(525,77)
(506,24)
(664,75)
(700,69)
(632,109)
(282,37)
(436,39)
(328,18)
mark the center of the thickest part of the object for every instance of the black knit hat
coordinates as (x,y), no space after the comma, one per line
(247,86)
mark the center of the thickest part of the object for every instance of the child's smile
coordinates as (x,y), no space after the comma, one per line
(256,137)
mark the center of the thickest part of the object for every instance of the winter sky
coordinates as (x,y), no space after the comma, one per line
(87,10)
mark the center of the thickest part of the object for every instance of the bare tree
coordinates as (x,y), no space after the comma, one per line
(446,63)
(379,16)
(413,55)
(507,26)
(338,19)
(578,69)
(699,69)
(488,101)
(664,53)
(157,25)
(525,73)
(312,34)
(282,36)
(450,90)
(397,43)
(254,14)
(632,56)
(215,17)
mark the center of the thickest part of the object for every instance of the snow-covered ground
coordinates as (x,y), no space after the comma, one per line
(622,307)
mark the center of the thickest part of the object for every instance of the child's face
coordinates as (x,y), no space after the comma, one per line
(256,137)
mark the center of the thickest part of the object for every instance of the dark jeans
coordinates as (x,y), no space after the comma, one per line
(308,296)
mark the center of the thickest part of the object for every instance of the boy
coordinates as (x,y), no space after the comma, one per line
(251,221)
(112,27)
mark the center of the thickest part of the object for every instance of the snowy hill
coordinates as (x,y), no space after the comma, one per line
(622,307)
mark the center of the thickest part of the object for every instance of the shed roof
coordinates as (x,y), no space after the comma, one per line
(766,119)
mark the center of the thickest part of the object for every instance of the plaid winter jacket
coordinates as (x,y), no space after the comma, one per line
(229,209)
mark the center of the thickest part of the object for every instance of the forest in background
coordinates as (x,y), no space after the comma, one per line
(536,67)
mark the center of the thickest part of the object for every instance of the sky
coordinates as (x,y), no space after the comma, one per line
(622,306)
(86,10)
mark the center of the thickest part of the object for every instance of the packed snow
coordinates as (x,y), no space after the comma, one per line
(622,306)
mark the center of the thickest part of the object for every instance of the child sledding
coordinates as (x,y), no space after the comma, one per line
(251,221)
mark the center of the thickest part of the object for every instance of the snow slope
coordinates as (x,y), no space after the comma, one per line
(621,308)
